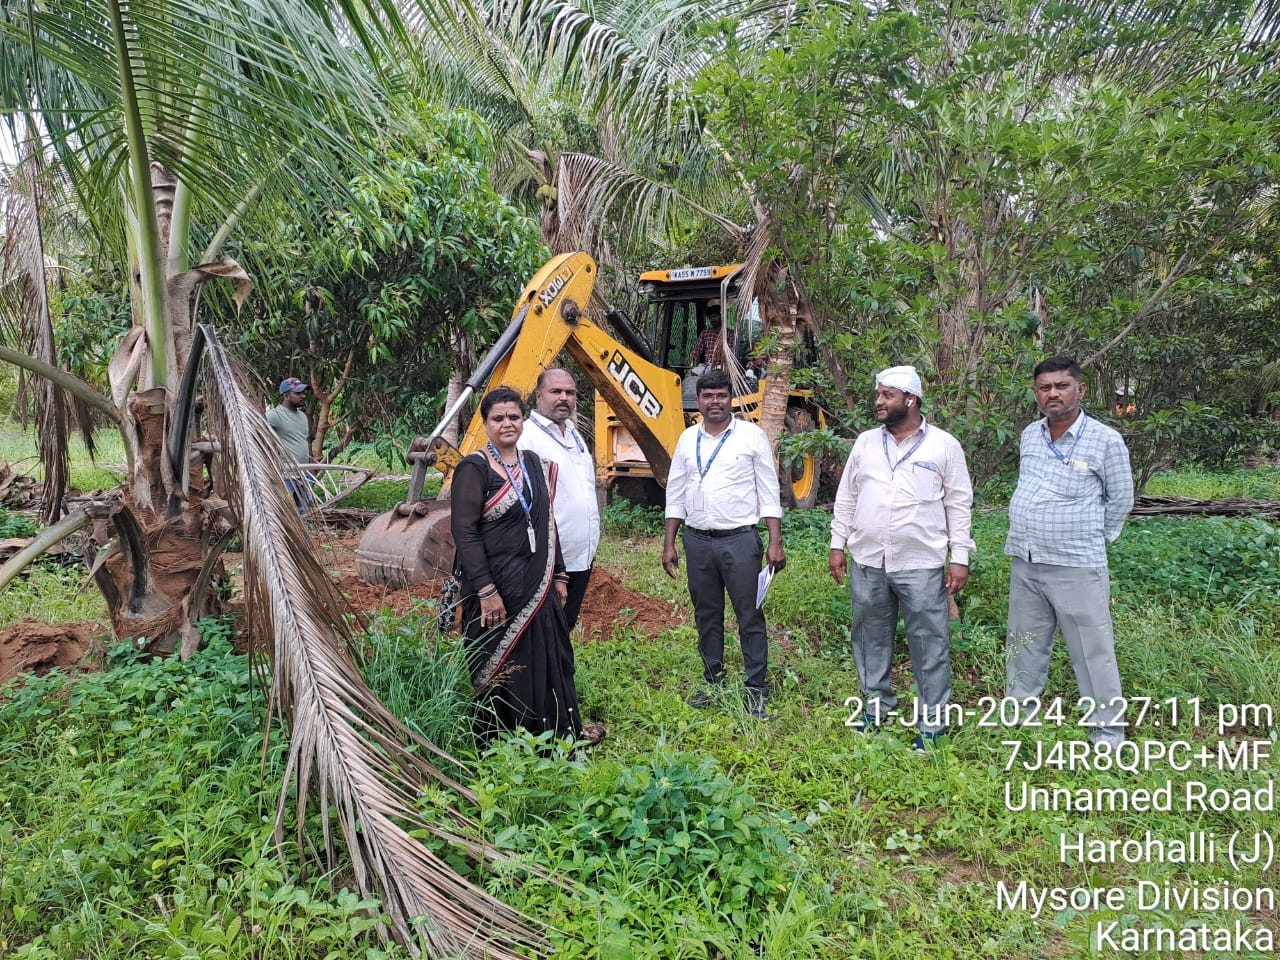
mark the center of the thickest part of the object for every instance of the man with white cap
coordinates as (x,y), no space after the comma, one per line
(903,504)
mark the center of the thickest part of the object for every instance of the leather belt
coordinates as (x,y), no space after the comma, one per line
(713,534)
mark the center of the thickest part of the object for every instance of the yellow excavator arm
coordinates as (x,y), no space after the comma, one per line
(551,314)
(410,543)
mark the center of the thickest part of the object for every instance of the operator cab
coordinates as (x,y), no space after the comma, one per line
(674,312)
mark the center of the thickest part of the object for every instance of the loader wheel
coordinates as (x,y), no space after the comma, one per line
(800,484)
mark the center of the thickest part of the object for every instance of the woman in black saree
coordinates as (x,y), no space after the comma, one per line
(513,582)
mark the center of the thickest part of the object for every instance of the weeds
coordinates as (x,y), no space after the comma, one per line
(421,677)
(622,518)
(136,823)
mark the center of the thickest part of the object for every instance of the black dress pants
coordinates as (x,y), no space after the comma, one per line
(717,562)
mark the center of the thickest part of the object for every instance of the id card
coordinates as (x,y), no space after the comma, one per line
(698,501)
(533,540)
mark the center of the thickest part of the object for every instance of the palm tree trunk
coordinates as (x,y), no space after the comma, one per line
(778,311)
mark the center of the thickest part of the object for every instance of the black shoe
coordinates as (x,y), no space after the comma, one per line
(867,723)
(703,698)
(926,741)
(757,705)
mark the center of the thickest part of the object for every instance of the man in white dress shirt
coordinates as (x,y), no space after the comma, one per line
(904,500)
(550,433)
(722,482)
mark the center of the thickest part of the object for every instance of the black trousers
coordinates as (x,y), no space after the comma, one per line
(716,565)
(578,580)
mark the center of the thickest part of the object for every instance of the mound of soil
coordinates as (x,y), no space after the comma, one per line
(38,647)
(608,604)
(30,647)
(375,598)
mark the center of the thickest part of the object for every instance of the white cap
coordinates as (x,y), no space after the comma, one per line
(902,378)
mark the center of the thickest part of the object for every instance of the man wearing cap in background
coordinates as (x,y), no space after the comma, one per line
(903,503)
(291,426)
(709,349)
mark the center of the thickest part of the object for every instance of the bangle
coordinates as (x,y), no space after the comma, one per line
(562,577)
(487,594)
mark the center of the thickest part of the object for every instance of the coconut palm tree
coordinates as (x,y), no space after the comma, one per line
(166,125)
(593,106)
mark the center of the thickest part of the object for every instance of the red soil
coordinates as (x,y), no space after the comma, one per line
(30,647)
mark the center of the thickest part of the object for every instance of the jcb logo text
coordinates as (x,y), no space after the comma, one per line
(633,386)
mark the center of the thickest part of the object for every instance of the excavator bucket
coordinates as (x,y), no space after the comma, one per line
(408,545)
(412,543)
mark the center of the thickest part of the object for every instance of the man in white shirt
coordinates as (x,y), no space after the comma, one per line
(722,482)
(549,432)
(904,500)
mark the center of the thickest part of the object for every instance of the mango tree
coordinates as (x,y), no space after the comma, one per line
(964,188)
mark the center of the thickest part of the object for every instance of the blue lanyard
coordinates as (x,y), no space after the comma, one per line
(884,442)
(1053,447)
(702,474)
(560,440)
(525,505)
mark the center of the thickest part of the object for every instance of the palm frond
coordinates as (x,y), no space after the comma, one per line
(594,190)
(224,89)
(365,766)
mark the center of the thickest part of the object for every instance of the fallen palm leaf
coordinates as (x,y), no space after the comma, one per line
(365,767)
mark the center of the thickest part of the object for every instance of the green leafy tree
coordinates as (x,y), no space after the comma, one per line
(414,270)
(966,188)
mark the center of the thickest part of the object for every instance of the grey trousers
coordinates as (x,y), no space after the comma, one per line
(921,595)
(715,565)
(1077,600)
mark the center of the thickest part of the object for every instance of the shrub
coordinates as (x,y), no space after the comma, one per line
(669,851)
(622,518)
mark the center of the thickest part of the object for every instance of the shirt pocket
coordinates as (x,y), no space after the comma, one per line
(926,481)
(1073,483)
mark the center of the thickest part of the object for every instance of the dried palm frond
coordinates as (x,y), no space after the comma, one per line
(25,310)
(365,767)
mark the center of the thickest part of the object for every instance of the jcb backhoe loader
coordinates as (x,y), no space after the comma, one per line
(640,407)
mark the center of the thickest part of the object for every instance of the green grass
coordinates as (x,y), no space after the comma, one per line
(1260,484)
(18,446)
(52,594)
(908,849)
(136,814)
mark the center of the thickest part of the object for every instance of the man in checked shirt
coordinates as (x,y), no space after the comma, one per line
(904,503)
(1075,490)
